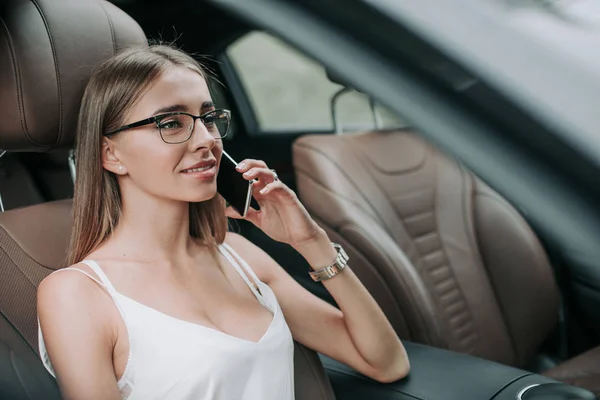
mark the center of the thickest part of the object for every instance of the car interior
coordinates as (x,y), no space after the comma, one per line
(483,303)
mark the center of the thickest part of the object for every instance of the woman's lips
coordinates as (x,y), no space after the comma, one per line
(207,172)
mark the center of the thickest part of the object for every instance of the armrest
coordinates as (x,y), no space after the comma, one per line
(436,374)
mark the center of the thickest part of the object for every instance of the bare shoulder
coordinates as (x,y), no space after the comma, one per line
(261,263)
(241,245)
(237,241)
(66,295)
(67,284)
(79,333)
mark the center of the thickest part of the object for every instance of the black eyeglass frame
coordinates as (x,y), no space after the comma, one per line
(158,118)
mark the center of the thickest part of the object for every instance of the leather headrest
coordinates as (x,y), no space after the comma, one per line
(47,51)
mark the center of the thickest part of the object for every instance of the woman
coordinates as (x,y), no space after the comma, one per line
(161,302)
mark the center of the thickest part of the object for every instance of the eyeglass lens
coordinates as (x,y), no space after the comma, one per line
(178,128)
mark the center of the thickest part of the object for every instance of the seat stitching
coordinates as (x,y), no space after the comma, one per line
(445,286)
(112,29)
(343,172)
(19,377)
(516,217)
(462,339)
(362,159)
(416,216)
(468,339)
(4,232)
(503,316)
(452,308)
(8,255)
(17,265)
(413,306)
(412,194)
(472,241)
(333,193)
(458,315)
(452,278)
(57,70)
(19,335)
(369,264)
(17,81)
(385,226)
(435,269)
(421,237)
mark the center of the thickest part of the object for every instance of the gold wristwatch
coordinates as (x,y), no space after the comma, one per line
(329,272)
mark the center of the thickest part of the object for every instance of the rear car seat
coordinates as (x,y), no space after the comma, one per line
(17,186)
(32,178)
(451,263)
(47,49)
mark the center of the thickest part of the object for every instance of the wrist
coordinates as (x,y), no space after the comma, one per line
(318,251)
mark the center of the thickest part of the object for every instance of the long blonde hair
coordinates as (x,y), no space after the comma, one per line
(113,89)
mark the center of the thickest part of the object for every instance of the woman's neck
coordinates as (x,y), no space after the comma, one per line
(153,228)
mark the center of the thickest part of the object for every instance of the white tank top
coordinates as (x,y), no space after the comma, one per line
(174,359)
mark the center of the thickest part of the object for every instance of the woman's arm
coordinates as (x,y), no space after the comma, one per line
(79,337)
(358,334)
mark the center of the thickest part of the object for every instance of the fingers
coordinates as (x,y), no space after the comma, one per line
(249,163)
(250,216)
(263,174)
(267,179)
(272,187)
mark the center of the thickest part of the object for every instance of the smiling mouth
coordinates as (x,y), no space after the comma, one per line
(200,169)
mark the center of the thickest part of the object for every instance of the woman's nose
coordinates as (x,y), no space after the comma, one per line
(201,137)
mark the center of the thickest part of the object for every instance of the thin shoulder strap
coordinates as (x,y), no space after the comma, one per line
(229,256)
(241,262)
(96,268)
(228,252)
(104,282)
(83,272)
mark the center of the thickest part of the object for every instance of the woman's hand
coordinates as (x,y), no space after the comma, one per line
(282,216)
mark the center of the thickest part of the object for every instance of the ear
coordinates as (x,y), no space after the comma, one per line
(110,161)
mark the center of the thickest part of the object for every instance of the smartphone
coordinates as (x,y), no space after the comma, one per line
(236,190)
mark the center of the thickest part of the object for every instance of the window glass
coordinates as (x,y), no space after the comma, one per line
(290,92)
(217,91)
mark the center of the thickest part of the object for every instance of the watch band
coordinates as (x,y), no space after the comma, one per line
(341,261)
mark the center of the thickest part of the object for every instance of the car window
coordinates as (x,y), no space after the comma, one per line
(290,92)
(217,91)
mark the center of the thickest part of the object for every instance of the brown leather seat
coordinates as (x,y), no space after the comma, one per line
(47,49)
(451,263)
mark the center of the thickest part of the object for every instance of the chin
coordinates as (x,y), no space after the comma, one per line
(201,196)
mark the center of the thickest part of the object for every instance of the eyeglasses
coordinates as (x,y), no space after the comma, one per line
(177,127)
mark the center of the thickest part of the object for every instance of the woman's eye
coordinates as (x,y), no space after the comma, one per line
(172,124)
(209,120)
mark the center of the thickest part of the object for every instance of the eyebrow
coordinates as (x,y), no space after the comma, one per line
(182,107)
(207,104)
